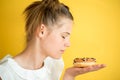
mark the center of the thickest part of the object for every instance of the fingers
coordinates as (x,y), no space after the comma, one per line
(97,67)
(90,68)
(73,71)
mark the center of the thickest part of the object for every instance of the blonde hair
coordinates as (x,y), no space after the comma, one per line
(45,12)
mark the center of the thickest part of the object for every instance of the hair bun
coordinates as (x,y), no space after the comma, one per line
(50,1)
(52,4)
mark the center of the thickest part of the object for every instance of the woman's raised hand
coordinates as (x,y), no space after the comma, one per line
(72,72)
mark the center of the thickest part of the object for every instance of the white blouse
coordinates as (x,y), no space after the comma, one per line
(10,70)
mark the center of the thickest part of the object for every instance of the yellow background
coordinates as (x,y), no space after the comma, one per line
(96,33)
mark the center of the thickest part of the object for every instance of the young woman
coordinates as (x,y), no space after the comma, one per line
(48,29)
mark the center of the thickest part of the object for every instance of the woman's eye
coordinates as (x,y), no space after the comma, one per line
(63,37)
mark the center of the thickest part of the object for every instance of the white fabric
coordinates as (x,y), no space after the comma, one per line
(10,70)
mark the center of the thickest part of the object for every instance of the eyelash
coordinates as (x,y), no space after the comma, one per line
(63,37)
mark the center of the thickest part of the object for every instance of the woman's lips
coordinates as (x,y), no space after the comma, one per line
(62,51)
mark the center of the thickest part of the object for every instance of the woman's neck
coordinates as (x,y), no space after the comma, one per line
(32,57)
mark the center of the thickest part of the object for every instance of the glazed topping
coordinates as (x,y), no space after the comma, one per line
(78,60)
(84,60)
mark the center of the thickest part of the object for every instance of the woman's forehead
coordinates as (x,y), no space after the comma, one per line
(64,21)
(64,25)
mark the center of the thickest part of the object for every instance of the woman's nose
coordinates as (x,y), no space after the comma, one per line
(67,43)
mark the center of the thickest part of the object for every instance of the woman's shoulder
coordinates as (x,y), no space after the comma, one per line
(4,61)
(4,64)
(5,71)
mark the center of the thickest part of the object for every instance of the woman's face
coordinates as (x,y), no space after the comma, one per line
(58,39)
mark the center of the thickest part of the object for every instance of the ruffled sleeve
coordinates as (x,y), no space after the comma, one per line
(55,67)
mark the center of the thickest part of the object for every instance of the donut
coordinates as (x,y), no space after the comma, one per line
(84,62)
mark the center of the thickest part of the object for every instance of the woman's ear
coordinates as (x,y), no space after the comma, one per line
(41,31)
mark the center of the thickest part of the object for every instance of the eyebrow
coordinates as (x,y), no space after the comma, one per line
(67,33)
